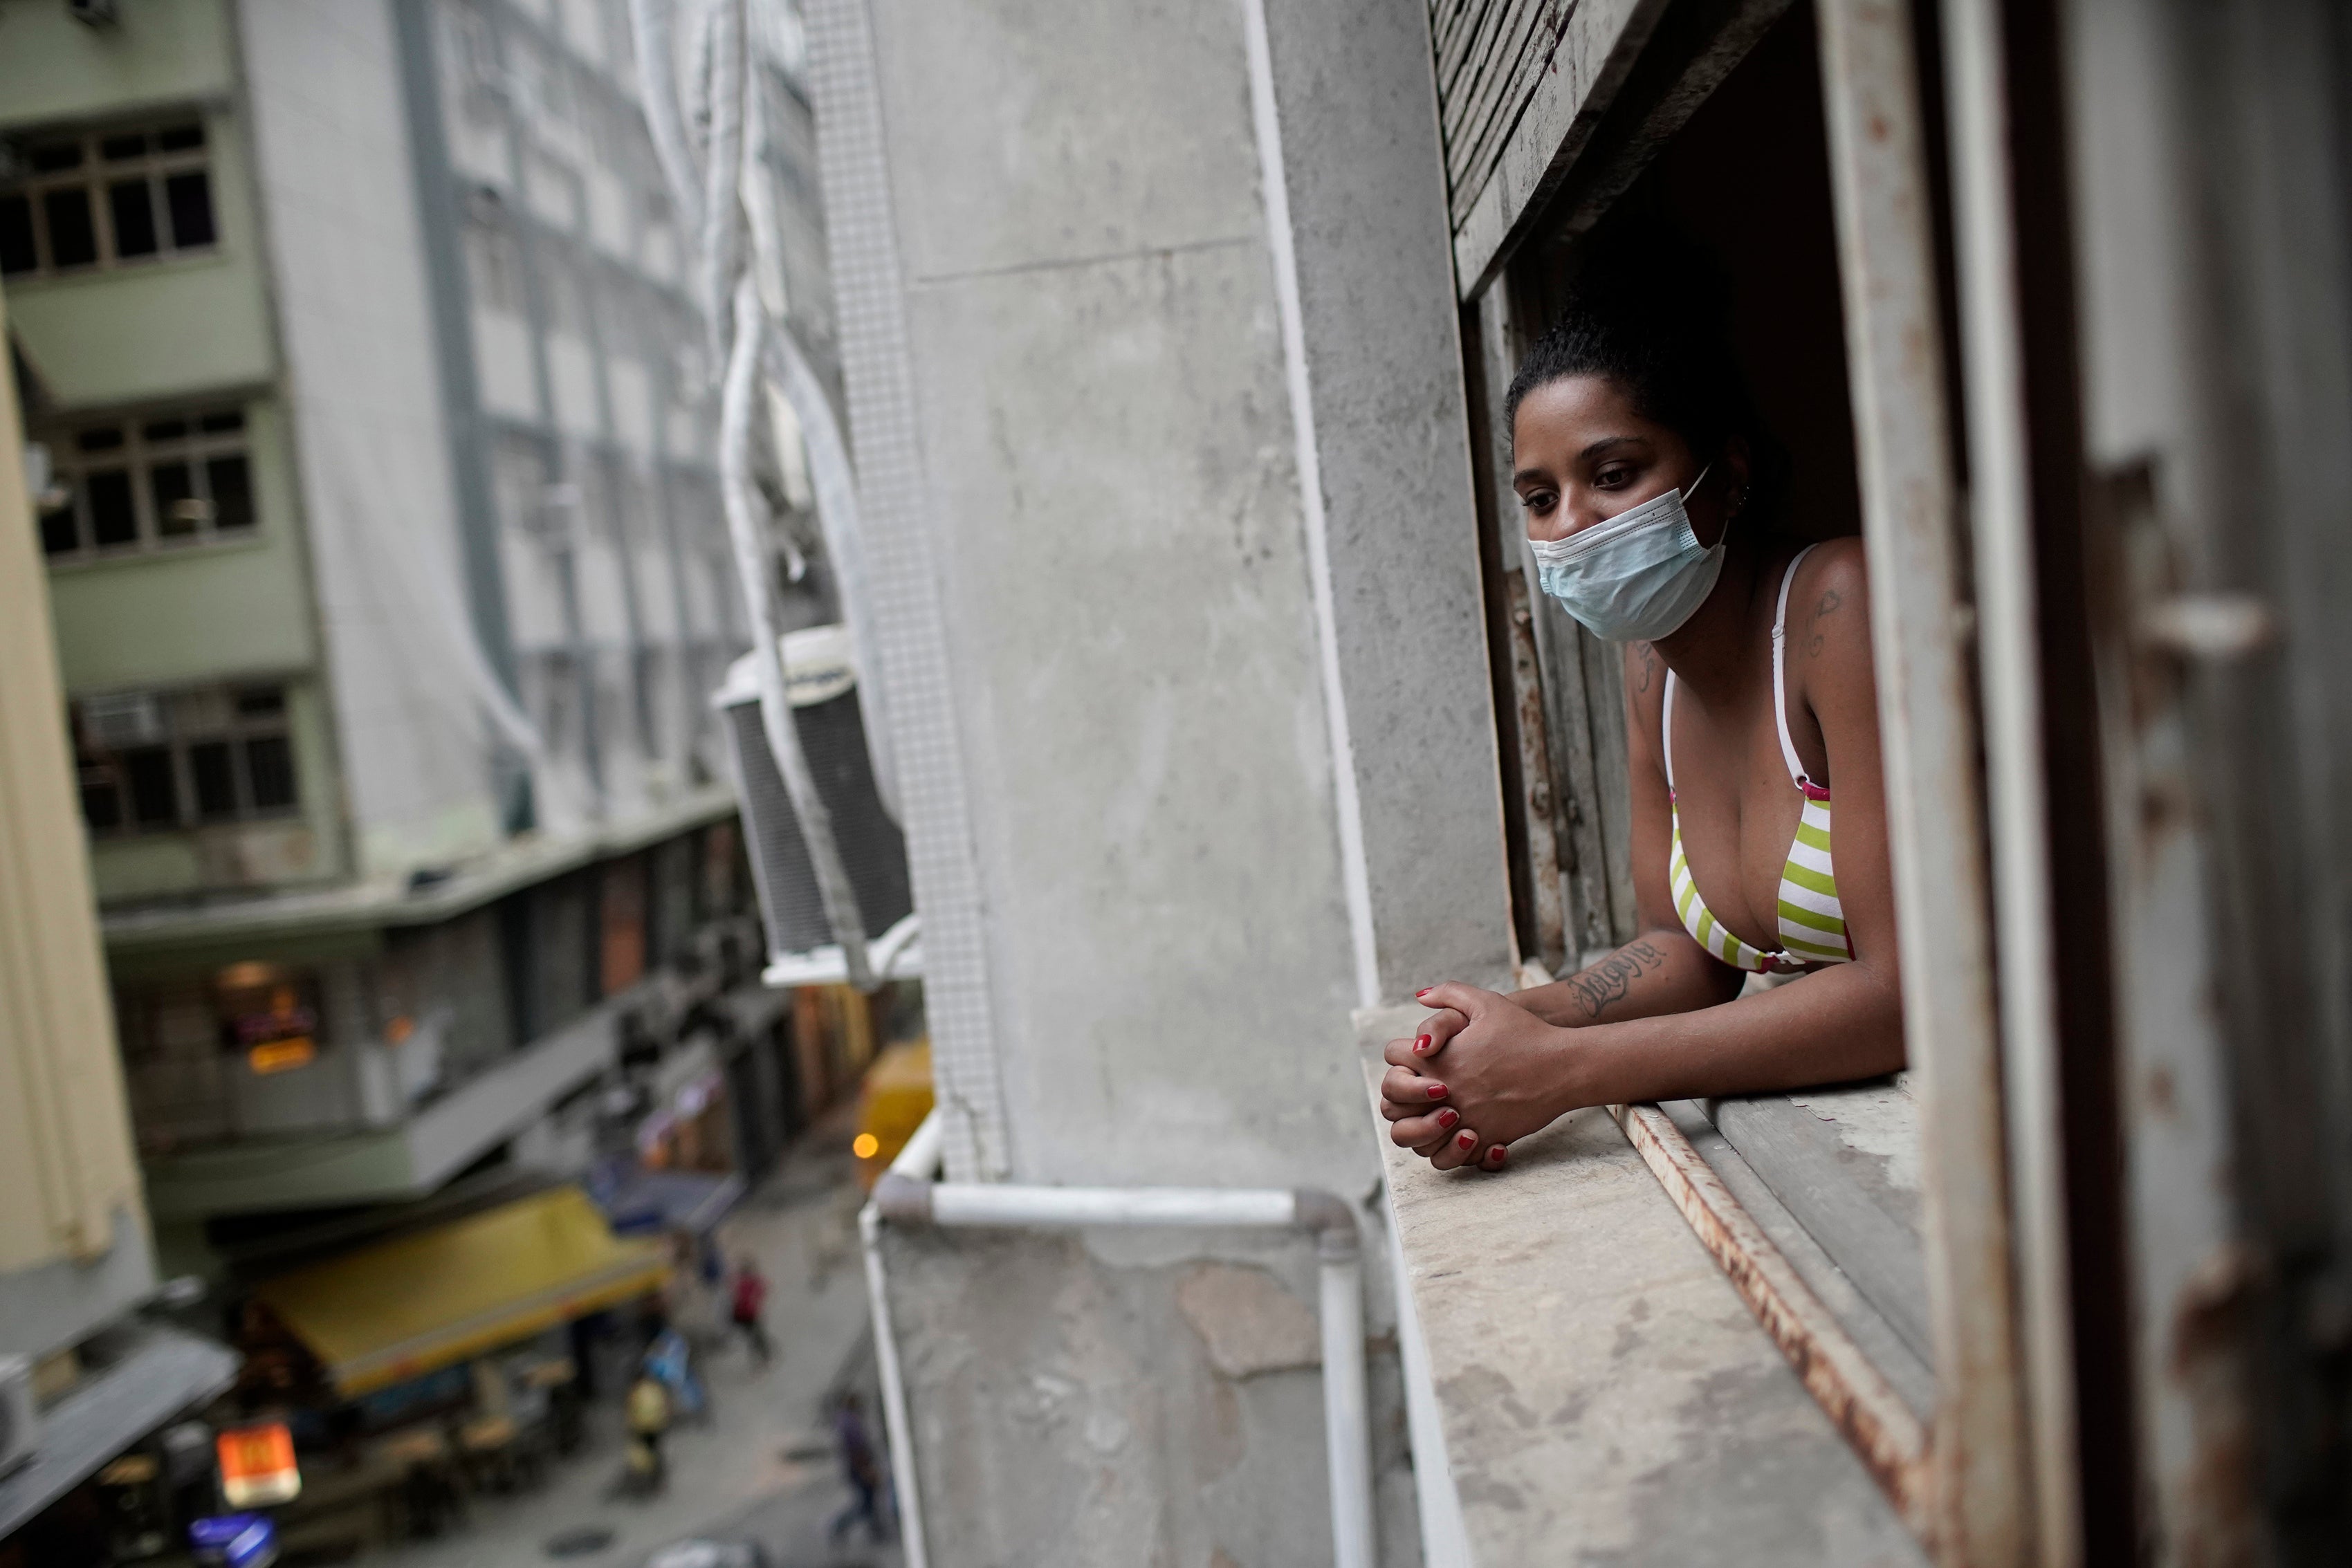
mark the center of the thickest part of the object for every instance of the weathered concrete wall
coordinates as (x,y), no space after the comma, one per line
(1109,1402)
(1195,864)
(1120,553)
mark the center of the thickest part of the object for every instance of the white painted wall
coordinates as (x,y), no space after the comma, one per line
(331,161)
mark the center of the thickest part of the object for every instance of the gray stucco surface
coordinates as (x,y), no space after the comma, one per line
(1115,1410)
(1357,105)
(1126,565)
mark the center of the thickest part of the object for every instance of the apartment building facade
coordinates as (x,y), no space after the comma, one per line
(391,581)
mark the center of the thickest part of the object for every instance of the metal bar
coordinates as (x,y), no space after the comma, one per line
(1890,1440)
(1057,1207)
(2009,655)
(1927,735)
(1346,1407)
(907,1194)
(896,1427)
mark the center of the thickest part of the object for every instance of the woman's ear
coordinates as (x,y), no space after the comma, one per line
(1737,458)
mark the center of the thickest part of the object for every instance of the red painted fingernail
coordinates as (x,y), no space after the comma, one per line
(1467,1140)
(1446,1118)
(1437,1091)
(1423,992)
(1420,1046)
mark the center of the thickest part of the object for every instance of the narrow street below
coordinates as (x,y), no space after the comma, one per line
(761,1468)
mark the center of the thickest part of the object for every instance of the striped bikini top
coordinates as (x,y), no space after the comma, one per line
(1812,923)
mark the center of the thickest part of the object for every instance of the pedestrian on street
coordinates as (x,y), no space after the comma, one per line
(861,1467)
(750,1298)
(648,1411)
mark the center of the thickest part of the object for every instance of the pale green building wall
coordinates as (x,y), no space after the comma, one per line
(155,335)
(54,67)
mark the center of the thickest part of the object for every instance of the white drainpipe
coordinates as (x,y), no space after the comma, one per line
(907,1195)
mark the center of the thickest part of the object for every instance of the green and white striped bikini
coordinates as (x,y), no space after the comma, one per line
(1812,922)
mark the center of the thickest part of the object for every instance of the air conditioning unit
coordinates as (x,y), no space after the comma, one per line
(120,719)
(20,1419)
(821,682)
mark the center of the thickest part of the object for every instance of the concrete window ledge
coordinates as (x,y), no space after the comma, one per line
(1586,1386)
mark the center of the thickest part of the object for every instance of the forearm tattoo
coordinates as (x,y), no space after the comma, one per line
(1610,979)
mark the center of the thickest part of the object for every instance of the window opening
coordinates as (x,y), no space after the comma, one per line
(136,485)
(105,198)
(163,762)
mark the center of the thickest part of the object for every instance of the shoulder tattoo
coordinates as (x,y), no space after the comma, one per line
(1829,601)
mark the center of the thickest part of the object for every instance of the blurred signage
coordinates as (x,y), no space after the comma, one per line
(235,1540)
(278,1055)
(257,1465)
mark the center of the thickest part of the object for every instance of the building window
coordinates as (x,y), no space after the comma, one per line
(160,762)
(494,262)
(154,482)
(105,198)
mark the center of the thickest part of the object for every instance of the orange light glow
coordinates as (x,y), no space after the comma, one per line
(281,1055)
(257,1465)
(866,1145)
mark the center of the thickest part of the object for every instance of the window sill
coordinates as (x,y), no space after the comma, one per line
(23,286)
(1591,1377)
(206,549)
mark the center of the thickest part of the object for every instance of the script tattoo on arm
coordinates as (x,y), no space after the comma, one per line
(1610,979)
(1649,658)
(1830,602)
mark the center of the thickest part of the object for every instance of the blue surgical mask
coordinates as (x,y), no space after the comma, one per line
(1637,577)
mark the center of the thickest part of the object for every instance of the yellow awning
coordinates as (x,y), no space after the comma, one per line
(419,1302)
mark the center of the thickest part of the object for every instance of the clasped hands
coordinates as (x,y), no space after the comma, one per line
(1482,1072)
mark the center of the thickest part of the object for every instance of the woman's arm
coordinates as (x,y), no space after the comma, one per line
(1659,972)
(1509,1071)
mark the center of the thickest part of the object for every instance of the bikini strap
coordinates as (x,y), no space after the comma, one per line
(1667,733)
(1780,684)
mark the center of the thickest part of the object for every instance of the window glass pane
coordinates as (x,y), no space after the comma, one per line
(177,510)
(131,144)
(132,205)
(16,251)
(190,197)
(101,804)
(211,766)
(232,486)
(254,700)
(105,438)
(73,239)
(56,155)
(154,793)
(166,430)
(232,420)
(113,518)
(179,137)
(269,763)
(59,532)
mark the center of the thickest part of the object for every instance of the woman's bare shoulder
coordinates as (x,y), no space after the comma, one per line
(1828,646)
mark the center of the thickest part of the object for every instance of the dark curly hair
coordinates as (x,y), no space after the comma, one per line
(1651,315)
